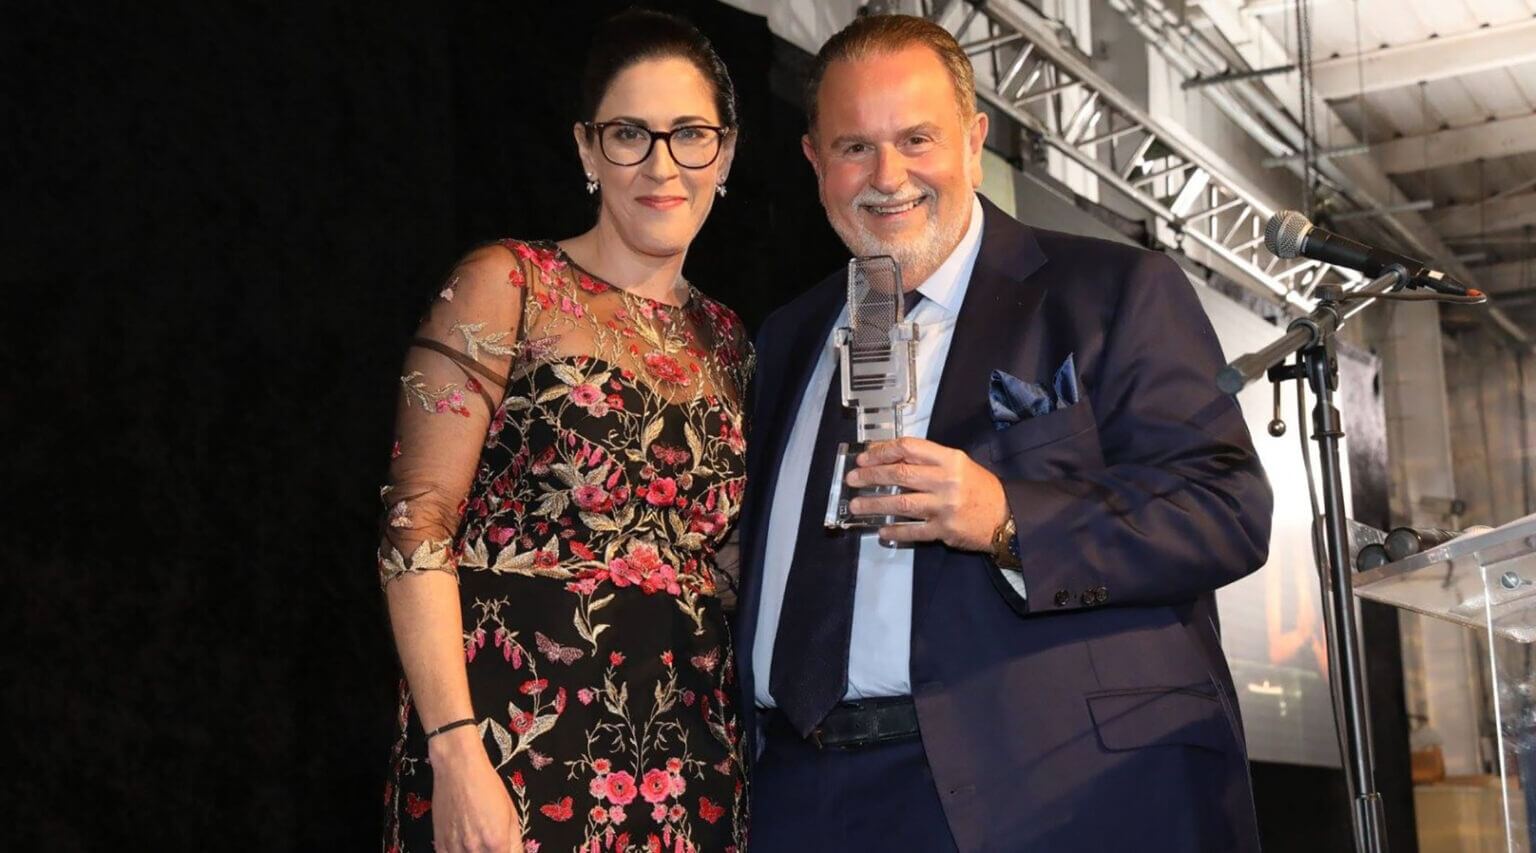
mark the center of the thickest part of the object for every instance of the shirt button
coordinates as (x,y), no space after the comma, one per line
(1062,598)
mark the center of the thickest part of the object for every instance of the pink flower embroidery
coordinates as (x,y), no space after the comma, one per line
(623,573)
(586,394)
(454,402)
(665,368)
(703,521)
(620,789)
(656,785)
(661,492)
(521,722)
(592,498)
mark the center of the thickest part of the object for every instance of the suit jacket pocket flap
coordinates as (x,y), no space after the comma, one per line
(1132,719)
(1034,432)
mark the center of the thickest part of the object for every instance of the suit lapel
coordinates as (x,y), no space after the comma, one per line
(998,304)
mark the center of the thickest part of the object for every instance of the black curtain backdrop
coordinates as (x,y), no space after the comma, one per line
(219,223)
(223,221)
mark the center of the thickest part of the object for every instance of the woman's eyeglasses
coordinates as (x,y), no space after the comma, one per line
(693,146)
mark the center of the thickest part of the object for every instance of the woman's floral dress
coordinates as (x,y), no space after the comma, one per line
(575,454)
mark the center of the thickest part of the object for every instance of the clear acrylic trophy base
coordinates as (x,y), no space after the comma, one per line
(838,516)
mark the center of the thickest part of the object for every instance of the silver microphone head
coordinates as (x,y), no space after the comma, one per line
(874,300)
(1284,233)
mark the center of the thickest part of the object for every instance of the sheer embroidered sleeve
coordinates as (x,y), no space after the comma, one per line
(454,375)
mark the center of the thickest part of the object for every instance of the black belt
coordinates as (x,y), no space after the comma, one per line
(854,724)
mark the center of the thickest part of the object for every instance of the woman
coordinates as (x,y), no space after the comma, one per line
(570,448)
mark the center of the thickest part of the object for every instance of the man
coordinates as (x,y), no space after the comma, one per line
(1036,668)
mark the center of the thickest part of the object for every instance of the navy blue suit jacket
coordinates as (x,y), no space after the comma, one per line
(1098,714)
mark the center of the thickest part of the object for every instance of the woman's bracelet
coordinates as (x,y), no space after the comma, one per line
(467,721)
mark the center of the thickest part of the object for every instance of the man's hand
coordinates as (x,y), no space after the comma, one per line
(960,502)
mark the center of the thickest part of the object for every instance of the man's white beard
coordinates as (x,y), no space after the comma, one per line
(918,257)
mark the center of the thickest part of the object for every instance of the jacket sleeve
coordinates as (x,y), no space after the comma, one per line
(1181,505)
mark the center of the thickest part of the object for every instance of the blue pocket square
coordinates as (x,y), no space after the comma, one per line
(1013,400)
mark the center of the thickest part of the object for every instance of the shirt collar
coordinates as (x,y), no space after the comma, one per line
(947,286)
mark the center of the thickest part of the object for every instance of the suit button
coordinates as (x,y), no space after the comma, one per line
(1062,598)
(1100,595)
(1088,598)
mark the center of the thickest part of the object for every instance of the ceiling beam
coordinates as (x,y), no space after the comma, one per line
(1431,59)
(1365,179)
(1259,8)
(1485,141)
(1499,214)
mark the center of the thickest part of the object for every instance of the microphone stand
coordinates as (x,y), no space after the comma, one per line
(1312,337)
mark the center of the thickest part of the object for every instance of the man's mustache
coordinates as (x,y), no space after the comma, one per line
(875,198)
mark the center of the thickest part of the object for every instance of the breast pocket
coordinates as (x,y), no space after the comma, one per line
(1033,434)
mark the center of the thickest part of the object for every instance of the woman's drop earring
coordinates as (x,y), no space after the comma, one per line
(720,189)
(591,183)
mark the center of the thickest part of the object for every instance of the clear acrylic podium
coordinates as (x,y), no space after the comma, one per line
(1485,582)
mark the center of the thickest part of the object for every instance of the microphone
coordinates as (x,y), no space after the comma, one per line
(1406,541)
(877,353)
(1371,556)
(1289,234)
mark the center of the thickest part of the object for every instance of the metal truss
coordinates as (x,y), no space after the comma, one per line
(1026,72)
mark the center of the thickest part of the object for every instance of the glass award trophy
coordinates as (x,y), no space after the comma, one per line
(877,361)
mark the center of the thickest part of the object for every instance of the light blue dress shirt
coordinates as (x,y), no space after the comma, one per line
(879,650)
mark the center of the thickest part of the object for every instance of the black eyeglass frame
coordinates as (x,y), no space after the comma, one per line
(597,127)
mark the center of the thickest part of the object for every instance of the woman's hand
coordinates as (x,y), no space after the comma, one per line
(471,812)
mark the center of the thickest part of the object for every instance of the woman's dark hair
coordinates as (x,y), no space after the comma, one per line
(635,35)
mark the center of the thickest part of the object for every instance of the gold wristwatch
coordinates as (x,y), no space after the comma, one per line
(1005,554)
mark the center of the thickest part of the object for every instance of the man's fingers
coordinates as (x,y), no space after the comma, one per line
(907,505)
(905,449)
(923,478)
